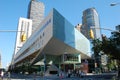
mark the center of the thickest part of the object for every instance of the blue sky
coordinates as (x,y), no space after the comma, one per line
(12,10)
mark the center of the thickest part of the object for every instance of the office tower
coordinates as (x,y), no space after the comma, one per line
(91,28)
(23,33)
(90,20)
(35,13)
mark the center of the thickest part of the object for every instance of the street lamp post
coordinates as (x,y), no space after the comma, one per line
(106,29)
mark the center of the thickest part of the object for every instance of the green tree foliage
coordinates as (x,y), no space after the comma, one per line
(110,46)
(96,46)
(97,49)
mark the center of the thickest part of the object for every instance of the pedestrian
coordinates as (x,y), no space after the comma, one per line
(2,74)
(69,73)
(34,76)
(61,76)
(79,73)
(8,75)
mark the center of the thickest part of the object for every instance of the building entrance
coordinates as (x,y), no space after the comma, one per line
(66,67)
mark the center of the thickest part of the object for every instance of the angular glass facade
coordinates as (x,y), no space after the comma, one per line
(67,33)
(55,36)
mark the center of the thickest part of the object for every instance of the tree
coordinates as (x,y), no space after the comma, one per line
(111,46)
(97,49)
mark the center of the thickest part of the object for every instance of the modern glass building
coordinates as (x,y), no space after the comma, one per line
(56,41)
(90,20)
(35,13)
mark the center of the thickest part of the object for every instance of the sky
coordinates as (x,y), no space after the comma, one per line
(12,10)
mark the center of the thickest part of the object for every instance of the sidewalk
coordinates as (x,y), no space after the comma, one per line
(107,76)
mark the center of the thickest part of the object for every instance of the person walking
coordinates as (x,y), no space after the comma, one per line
(9,76)
(79,73)
(69,73)
(2,74)
(61,76)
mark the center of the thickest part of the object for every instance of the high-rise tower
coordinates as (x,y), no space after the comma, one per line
(35,13)
(91,19)
(27,26)
(24,32)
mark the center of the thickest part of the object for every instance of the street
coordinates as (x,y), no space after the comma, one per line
(104,76)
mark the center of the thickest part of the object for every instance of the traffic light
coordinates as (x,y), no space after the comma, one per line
(91,34)
(23,37)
